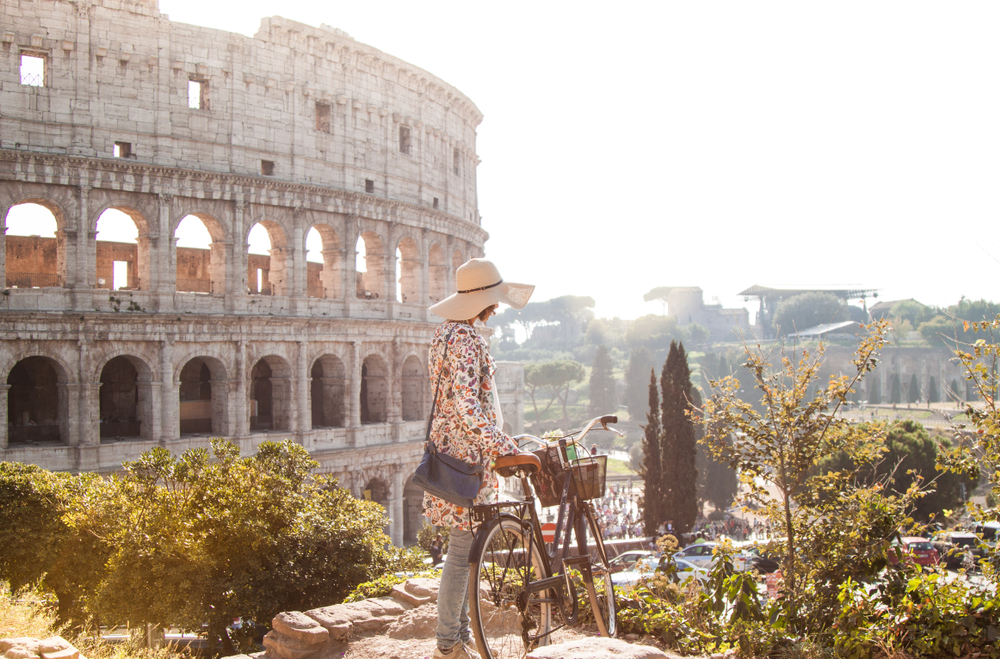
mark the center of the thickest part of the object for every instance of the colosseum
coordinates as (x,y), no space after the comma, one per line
(110,347)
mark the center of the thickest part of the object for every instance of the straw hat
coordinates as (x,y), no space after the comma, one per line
(479,286)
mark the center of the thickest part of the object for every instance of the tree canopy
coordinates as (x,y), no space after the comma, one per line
(808,310)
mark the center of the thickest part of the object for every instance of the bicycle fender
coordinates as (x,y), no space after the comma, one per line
(480,537)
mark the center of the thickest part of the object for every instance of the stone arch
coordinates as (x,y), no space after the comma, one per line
(203,397)
(126,399)
(409,265)
(413,389)
(324,281)
(275,269)
(329,387)
(138,258)
(375,390)
(199,270)
(437,274)
(35,262)
(370,284)
(413,511)
(270,394)
(456,259)
(37,401)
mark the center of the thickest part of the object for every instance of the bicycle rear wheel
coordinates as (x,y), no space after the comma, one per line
(600,589)
(506,620)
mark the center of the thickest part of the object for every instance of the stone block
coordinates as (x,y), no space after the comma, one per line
(299,626)
(596,648)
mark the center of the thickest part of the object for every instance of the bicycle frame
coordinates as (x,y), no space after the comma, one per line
(572,514)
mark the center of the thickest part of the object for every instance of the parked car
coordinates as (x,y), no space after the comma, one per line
(914,548)
(989,532)
(958,549)
(647,566)
(627,559)
(703,555)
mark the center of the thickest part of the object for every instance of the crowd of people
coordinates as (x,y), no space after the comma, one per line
(618,512)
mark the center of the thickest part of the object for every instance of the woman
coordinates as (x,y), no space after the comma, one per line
(467,424)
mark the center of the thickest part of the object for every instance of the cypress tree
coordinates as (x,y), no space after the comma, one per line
(913,391)
(953,391)
(602,384)
(933,395)
(875,391)
(651,466)
(895,395)
(640,361)
(680,450)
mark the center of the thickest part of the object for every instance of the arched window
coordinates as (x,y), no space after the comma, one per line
(374,390)
(37,409)
(414,383)
(125,406)
(328,387)
(201,255)
(270,394)
(408,271)
(323,262)
(369,266)
(118,257)
(35,255)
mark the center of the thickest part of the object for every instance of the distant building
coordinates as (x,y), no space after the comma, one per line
(769,298)
(687,305)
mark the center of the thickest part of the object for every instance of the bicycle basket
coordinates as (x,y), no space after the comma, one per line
(589,475)
(550,479)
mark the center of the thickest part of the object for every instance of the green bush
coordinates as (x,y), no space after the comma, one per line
(204,537)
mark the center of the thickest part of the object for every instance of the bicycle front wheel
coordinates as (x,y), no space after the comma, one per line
(506,619)
(600,589)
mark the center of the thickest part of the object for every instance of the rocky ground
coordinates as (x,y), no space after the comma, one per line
(402,626)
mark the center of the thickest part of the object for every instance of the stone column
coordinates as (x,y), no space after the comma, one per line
(219,250)
(396,508)
(239,396)
(4,428)
(295,264)
(302,393)
(354,402)
(331,277)
(395,412)
(89,397)
(170,425)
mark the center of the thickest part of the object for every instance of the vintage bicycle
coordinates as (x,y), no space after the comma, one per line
(522,589)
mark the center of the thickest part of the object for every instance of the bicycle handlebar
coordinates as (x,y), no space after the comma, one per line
(576,437)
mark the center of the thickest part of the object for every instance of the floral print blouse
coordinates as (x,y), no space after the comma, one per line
(464,422)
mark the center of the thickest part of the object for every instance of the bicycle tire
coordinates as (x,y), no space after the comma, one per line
(600,587)
(505,620)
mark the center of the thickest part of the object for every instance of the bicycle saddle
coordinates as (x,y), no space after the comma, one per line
(509,465)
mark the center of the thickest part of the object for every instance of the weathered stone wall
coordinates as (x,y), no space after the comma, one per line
(300,128)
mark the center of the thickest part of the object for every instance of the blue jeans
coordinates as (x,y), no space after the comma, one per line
(453,596)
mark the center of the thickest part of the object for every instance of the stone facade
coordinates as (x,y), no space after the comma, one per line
(297,128)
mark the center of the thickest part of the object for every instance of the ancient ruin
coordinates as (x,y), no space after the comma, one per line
(110,348)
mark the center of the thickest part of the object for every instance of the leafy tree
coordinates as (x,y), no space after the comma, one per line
(808,310)
(933,395)
(895,393)
(610,333)
(652,332)
(906,456)
(661,294)
(555,378)
(569,312)
(912,311)
(678,445)
(780,448)
(205,538)
(875,391)
(192,539)
(603,397)
(953,391)
(913,391)
(640,362)
(652,469)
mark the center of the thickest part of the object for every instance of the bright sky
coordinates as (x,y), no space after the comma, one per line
(713,144)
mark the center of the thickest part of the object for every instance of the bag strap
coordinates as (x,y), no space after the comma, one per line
(428,444)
